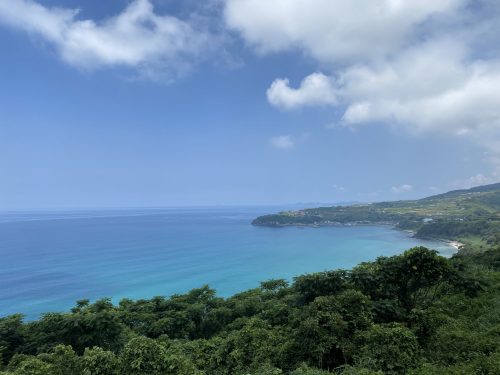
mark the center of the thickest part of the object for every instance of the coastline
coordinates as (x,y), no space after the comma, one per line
(328,224)
(411,233)
(456,244)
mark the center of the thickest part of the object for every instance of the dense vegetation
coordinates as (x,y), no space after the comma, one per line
(470,216)
(416,313)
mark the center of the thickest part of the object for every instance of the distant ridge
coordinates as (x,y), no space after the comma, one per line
(471,216)
(476,189)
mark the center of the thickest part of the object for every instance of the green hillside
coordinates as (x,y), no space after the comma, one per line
(469,216)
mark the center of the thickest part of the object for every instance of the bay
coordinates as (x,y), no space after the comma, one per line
(49,260)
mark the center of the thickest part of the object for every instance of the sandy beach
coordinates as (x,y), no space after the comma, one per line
(457,245)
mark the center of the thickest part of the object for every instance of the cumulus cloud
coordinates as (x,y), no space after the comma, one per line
(432,88)
(316,89)
(402,189)
(339,188)
(428,67)
(282,142)
(137,37)
(429,88)
(333,30)
(476,180)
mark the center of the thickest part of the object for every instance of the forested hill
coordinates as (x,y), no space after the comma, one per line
(471,216)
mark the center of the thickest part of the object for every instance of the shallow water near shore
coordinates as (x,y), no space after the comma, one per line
(51,259)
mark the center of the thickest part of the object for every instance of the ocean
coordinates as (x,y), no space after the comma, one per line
(49,260)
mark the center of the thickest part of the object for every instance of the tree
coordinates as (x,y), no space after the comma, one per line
(306,370)
(144,356)
(34,366)
(97,361)
(63,359)
(274,285)
(412,279)
(392,349)
(11,336)
(254,345)
(319,284)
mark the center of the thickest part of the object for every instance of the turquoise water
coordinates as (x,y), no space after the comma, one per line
(50,260)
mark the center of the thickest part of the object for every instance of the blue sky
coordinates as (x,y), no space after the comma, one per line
(149,103)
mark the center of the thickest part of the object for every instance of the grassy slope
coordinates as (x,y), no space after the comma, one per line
(470,216)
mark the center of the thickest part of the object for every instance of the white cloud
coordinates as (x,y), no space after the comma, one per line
(283,142)
(333,30)
(402,189)
(476,180)
(428,67)
(137,37)
(339,188)
(430,88)
(315,89)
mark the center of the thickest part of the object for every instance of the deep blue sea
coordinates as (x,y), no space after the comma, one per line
(48,260)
